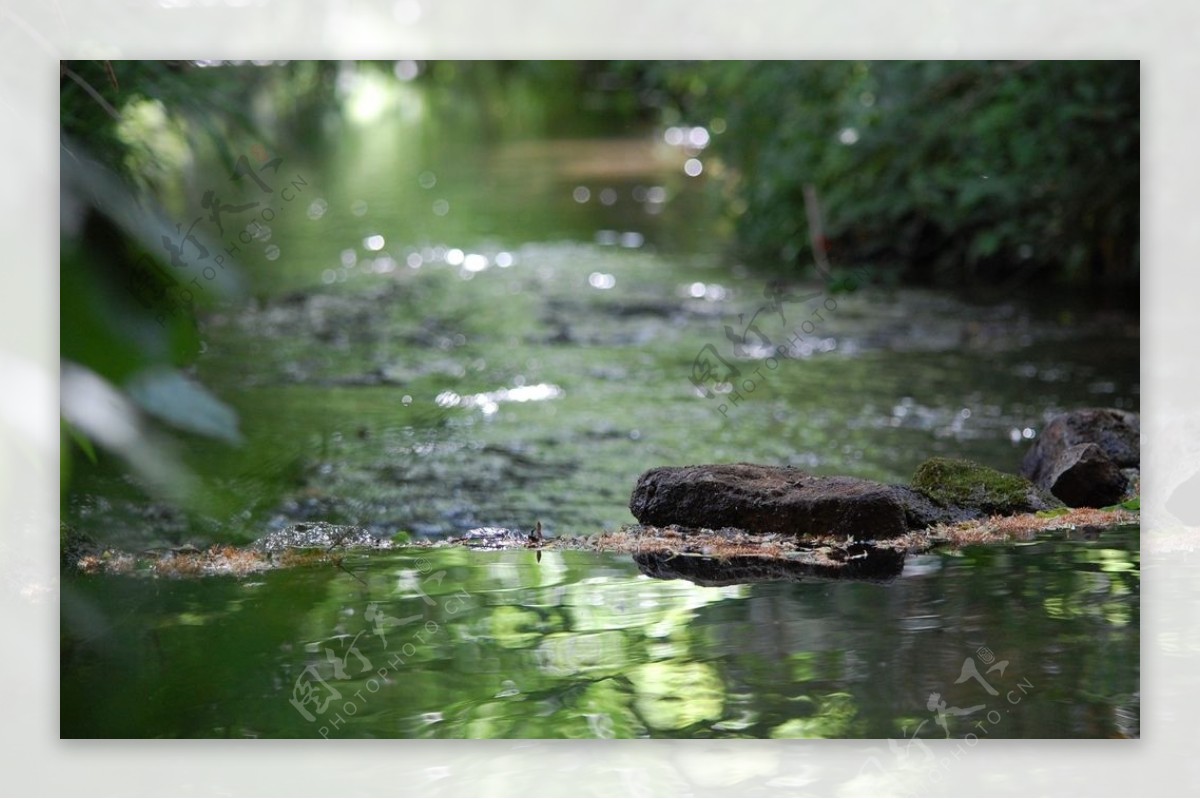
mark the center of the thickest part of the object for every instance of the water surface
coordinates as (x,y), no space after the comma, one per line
(449,643)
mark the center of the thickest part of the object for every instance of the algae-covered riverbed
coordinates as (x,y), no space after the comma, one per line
(455,333)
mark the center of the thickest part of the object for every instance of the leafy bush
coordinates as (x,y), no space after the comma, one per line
(949,172)
(128,313)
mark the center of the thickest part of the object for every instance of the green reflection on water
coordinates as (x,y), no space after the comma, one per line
(444,643)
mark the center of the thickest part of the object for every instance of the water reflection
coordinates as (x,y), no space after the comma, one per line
(855,562)
(448,643)
(489,401)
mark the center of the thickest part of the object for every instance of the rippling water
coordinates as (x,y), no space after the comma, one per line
(1032,640)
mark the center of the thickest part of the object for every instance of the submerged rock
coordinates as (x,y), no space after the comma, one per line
(1060,462)
(968,490)
(778,499)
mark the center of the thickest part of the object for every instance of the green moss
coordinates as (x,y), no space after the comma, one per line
(948,481)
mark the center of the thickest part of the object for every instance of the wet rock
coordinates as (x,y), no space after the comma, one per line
(921,512)
(1084,477)
(1059,462)
(775,499)
(967,490)
(766,499)
(1115,432)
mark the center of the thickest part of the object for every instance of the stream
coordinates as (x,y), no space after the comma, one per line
(448,329)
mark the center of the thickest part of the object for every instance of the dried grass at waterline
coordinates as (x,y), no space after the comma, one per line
(227,560)
(637,539)
(1023,527)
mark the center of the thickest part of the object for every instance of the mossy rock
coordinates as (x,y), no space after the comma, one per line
(967,485)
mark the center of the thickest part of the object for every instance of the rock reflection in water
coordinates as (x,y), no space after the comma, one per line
(862,562)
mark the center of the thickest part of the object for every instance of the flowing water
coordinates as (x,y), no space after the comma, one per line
(450,329)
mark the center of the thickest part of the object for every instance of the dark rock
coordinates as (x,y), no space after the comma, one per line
(1134,476)
(1116,433)
(1084,477)
(775,499)
(967,490)
(919,511)
(1060,462)
(859,562)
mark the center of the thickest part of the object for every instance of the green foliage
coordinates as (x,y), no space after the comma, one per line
(533,98)
(131,273)
(82,441)
(949,171)
(185,405)
(125,331)
(128,112)
(128,322)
